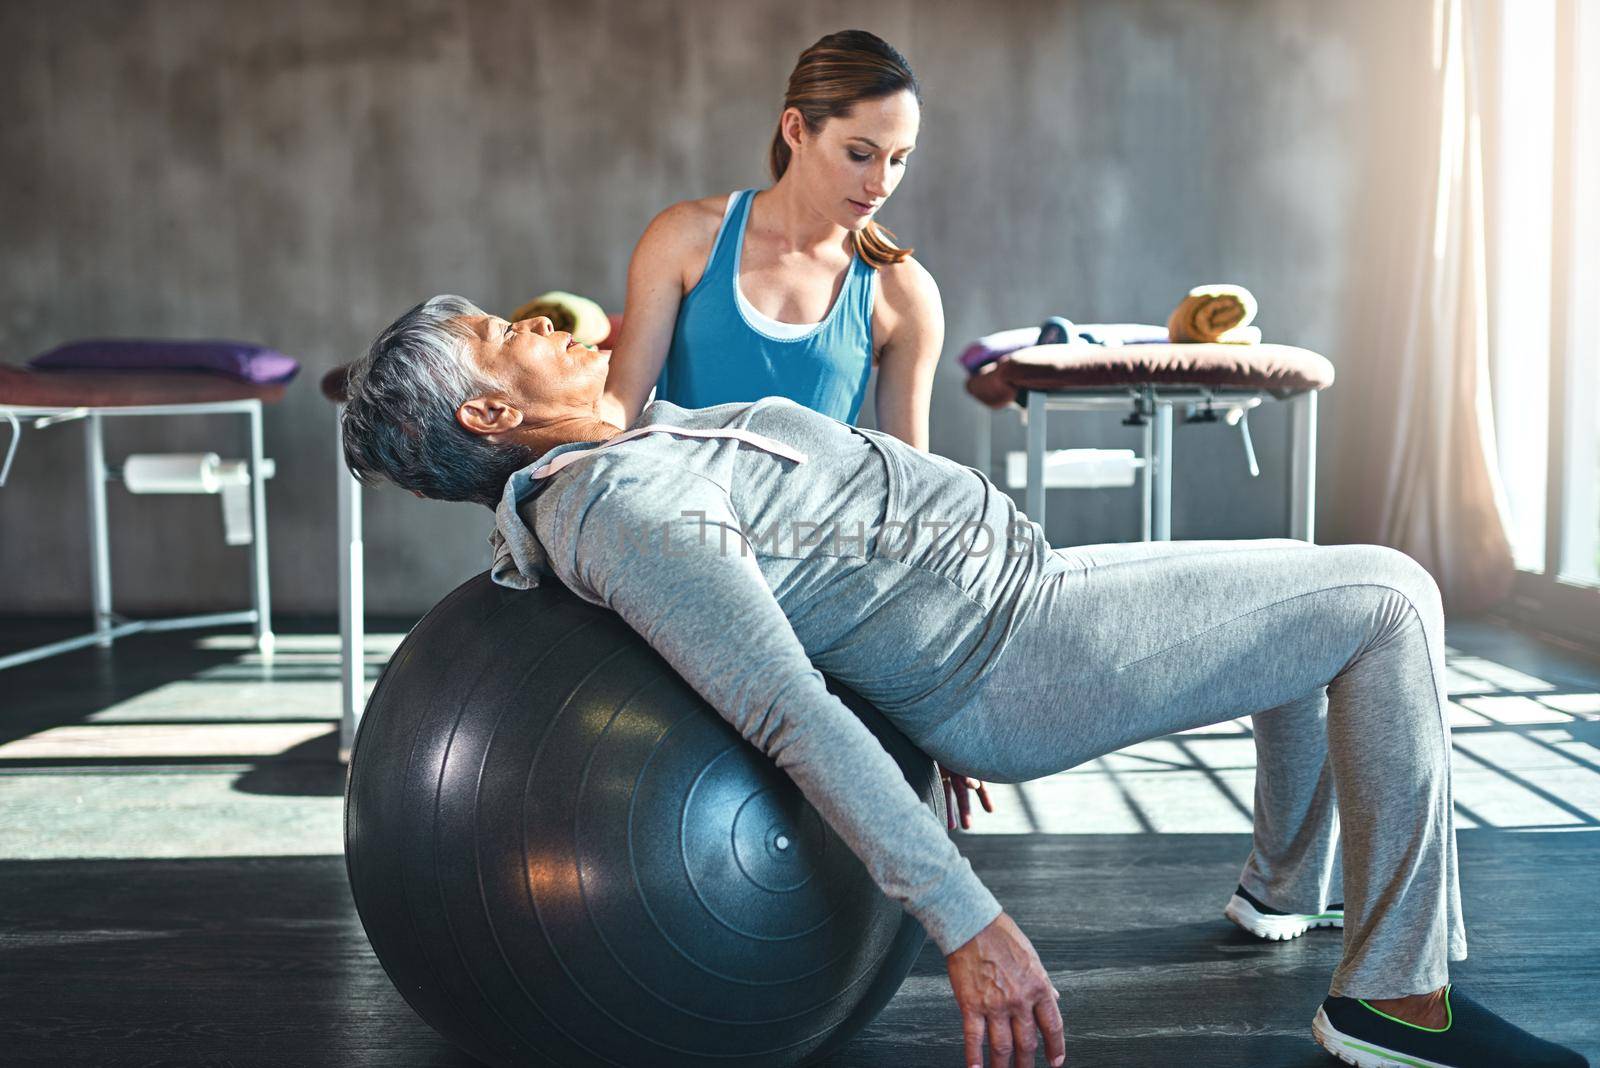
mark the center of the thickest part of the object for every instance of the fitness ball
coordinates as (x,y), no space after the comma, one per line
(563,856)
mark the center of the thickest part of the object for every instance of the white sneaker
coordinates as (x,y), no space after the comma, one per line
(1264,921)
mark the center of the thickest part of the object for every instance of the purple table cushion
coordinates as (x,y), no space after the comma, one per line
(236,359)
(991,347)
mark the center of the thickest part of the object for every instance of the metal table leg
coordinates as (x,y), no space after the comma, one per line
(1163,481)
(352,624)
(1303,467)
(1147,480)
(1037,413)
(260,589)
(99,534)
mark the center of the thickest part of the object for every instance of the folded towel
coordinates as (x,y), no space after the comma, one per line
(1212,313)
(1058,331)
(235,359)
(1241,335)
(991,347)
(579,316)
(1123,333)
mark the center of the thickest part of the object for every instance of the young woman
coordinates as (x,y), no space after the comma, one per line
(794,290)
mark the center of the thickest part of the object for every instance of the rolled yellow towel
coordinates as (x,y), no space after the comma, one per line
(579,316)
(1215,313)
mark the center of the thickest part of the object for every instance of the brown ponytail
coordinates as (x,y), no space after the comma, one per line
(832,77)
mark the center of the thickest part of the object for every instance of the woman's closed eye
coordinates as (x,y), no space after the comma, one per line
(860,157)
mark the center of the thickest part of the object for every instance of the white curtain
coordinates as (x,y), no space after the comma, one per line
(1441,500)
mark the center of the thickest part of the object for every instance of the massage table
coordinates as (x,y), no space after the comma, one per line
(47,398)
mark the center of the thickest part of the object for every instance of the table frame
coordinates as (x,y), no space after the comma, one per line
(108,624)
(1155,403)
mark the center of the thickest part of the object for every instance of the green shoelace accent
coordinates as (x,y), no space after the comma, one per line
(1449,1016)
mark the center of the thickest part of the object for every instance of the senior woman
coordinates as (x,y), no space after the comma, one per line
(1015,662)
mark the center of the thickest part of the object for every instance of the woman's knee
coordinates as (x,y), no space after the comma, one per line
(1384,566)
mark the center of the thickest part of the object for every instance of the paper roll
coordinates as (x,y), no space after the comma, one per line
(236,529)
(175,472)
(1077,468)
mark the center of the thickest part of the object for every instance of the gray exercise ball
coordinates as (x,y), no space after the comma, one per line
(563,856)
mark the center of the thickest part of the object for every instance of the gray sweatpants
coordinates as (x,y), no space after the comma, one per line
(1337,654)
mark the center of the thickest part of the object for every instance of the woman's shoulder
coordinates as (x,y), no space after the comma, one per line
(907,310)
(907,286)
(690,220)
(680,237)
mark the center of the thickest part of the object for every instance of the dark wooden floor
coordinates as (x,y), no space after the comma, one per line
(262,961)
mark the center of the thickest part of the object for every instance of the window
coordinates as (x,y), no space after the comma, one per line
(1542,183)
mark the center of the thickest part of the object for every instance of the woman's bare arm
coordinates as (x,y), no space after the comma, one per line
(656,277)
(913,317)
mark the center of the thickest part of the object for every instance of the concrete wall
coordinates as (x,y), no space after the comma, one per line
(298,173)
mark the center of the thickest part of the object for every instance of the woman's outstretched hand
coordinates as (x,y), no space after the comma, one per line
(957,801)
(1005,996)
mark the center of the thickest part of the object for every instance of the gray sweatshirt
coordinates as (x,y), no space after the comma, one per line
(753,565)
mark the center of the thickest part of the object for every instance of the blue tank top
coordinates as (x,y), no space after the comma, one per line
(720,355)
